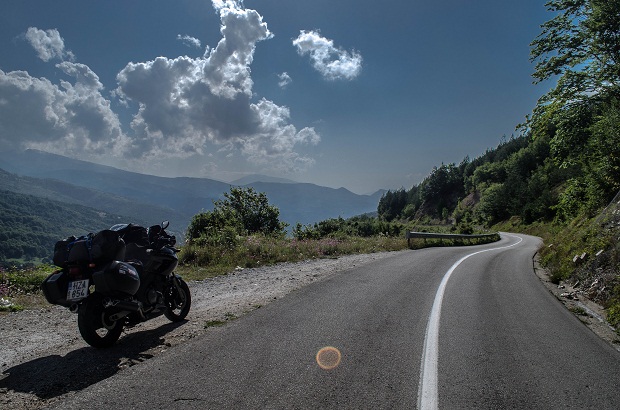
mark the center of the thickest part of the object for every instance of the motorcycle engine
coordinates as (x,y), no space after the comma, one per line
(154,297)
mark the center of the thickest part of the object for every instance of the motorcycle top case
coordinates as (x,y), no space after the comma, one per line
(117,279)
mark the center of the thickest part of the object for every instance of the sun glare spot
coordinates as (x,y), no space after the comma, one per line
(328,358)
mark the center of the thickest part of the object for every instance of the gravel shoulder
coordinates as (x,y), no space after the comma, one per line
(43,359)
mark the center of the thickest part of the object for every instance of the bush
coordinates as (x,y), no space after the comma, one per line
(242,212)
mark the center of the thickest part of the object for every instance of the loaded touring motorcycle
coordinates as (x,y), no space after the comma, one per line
(118,277)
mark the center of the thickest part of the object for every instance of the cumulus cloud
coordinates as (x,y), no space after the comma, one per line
(284,80)
(186,103)
(48,44)
(185,106)
(189,41)
(70,118)
(332,62)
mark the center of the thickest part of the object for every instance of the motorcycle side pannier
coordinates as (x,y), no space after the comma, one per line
(55,288)
(117,279)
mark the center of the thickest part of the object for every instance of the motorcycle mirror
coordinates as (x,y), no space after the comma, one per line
(165,224)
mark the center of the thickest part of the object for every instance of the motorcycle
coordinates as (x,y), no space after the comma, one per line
(118,278)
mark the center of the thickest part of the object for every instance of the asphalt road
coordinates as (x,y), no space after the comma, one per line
(449,328)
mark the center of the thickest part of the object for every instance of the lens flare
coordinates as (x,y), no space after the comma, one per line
(328,358)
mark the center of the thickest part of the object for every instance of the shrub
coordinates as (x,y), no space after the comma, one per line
(242,212)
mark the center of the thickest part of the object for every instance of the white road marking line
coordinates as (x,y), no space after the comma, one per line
(427,389)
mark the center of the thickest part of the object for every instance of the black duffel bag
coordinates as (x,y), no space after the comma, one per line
(106,246)
(62,249)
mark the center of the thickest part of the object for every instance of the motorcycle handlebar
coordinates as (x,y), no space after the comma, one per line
(168,240)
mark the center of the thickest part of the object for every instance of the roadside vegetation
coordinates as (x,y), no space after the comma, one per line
(244,231)
(20,287)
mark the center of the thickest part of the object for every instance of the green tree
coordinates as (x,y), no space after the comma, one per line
(442,188)
(392,204)
(253,210)
(580,45)
(605,146)
(243,210)
(579,116)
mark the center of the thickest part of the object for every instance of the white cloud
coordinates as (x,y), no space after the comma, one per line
(70,118)
(284,80)
(332,62)
(189,41)
(48,44)
(186,106)
(188,103)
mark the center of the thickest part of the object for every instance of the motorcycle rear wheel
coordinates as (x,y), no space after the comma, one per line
(95,327)
(178,301)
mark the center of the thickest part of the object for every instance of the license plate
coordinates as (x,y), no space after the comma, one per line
(77,290)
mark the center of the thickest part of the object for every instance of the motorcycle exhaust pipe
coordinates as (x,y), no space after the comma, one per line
(125,305)
(132,306)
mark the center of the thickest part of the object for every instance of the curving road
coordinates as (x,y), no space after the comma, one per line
(449,328)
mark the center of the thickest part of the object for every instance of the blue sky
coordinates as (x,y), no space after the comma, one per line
(343,93)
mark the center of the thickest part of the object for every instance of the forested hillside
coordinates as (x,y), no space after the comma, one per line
(518,178)
(30,226)
(566,163)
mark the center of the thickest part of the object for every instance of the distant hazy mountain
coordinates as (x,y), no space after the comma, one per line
(251,179)
(151,197)
(56,190)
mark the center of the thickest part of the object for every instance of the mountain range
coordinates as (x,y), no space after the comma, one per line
(152,198)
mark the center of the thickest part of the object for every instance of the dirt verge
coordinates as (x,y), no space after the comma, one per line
(589,313)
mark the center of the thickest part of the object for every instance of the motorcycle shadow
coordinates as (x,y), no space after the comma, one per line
(55,375)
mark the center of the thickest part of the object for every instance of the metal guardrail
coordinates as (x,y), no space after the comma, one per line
(430,235)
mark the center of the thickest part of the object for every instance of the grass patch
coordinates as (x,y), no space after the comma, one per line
(228,316)
(579,311)
(214,323)
(204,260)
(581,237)
(18,281)
(8,306)
(19,287)
(613,315)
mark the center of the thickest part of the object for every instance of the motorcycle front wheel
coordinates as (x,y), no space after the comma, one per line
(95,326)
(178,300)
